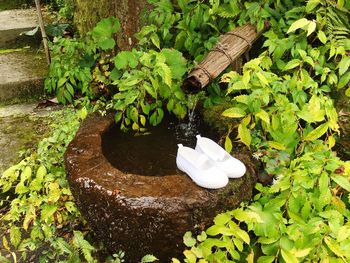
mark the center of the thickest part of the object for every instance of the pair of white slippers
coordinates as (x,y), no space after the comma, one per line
(208,165)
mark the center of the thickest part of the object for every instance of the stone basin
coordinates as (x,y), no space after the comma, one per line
(143,214)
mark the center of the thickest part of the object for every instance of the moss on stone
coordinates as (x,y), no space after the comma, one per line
(213,117)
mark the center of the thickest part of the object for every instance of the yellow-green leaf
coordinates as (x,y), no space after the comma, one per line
(234,112)
(322,37)
(228,144)
(318,132)
(244,135)
(301,23)
(264,116)
(342,181)
(288,256)
(311,28)
(276,145)
(334,246)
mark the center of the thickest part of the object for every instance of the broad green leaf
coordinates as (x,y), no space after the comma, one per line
(317,133)
(334,246)
(244,135)
(190,256)
(344,65)
(311,5)
(292,64)
(222,219)
(264,116)
(202,236)
(288,256)
(223,230)
(234,112)
(311,28)
(322,37)
(343,233)
(300,253)
(106,44)
(155,40)
(301,23)
(188,240)
(176,62)
(342,181)
(148,258)
(344,80)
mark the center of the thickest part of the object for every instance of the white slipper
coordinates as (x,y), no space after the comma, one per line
(201,170)
(231,166)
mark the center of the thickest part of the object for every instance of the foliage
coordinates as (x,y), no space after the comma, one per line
(43,214)
(74,60)
(148,79)
(281,100)
(303,216)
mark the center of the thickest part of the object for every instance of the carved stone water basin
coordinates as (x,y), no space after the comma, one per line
(130,208)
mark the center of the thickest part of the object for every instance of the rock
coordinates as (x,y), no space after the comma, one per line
(15,22)
(143,214)
(21,128)
(22,75)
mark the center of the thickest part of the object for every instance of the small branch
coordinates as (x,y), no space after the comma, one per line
(43,32)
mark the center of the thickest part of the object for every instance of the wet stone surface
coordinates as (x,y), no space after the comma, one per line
(21,128)
(143,214)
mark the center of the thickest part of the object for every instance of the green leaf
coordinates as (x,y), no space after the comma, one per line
(342,181)
(317,133)
(188,240)
(108,43)
(15,236)
(176,62)
(234,112)
(347,92)
(301,23)
(264,116)
(311,28)
(266,259)
(106,27)
(292,64)
(190,256)
(344,65)
(344,80)
(288,256)
(244,135)
(334,246)
(311,5)
(148,258)
(202,236)
(322,37)
(47,211)
(228,144)
(222,219)
(155,40)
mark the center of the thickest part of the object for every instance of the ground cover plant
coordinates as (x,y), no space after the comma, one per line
(281,101)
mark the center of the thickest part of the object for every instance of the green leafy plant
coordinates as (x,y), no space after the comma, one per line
(75,63)
(146,80)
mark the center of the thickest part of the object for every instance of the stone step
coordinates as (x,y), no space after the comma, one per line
(21,127)
(21,75)
(15,22)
